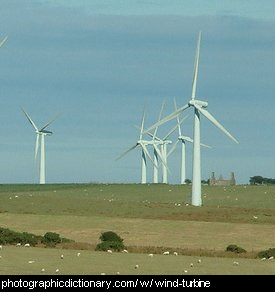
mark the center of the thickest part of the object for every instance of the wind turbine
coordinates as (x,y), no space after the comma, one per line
(144,152)
(163,152)
(183,139)
(3,41)
(199,108)
(40,135)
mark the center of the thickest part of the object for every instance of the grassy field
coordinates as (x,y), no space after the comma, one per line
(15,260)
(146,216)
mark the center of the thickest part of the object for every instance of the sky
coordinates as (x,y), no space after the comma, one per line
(99,63)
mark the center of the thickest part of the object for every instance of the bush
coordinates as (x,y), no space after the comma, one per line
(234,248)
(113,245)
(8,236)
(110,236)
(110,240)
(51,239)
(267,253)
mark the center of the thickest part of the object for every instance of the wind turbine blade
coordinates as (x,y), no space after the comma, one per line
(51,121)
(36,146)
(3,41)
(30,120)
(149,134)
(215,122)
(160,114)
(178,118)
(207,146)
(167,118)
(127,151)
(154,137)
(147,153)
(173,148)
(142,125)
(160,156)
(174,128)
(196,68)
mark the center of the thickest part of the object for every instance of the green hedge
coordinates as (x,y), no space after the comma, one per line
(110,240)
(267,253)
(234,248)
(8,236)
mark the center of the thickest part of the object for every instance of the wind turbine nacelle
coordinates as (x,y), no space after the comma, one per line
(203,104)
(46,132)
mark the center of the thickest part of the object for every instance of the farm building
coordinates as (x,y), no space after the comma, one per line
(222,182)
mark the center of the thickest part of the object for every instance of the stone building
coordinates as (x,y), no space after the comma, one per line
(222,182)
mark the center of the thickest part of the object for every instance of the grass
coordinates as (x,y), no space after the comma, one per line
(148,232)
(148,217)
(15,260)
(139,201)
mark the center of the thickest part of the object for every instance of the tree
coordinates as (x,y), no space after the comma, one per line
(256,180)
(259,180)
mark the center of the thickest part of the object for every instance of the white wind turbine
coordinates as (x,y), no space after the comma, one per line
(183,139)
(163,152)
(199,108)
(144,152)
(40,135)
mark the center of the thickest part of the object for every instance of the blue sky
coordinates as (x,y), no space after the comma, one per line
(100,62)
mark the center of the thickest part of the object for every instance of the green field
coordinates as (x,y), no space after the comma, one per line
(148,218)
(15,260)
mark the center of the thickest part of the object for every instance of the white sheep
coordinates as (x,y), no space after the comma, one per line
(199,261)
(166,253)
(270,258)
(175,253)
(78,254)
(109,251)
(235,263)
(43,270)
(31,262)
(150,255)
(18,244)
(191,265)
(1,247)
(263,259)
(185,271)
(62,256)
(27,245)
(125,251)
(57,270)
(136,266)
(102,274)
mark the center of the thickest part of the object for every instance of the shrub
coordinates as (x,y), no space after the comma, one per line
(234,248)
(8,236)
(51,239)
(267,253)
(113,245)
(110,236)
(110,240)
